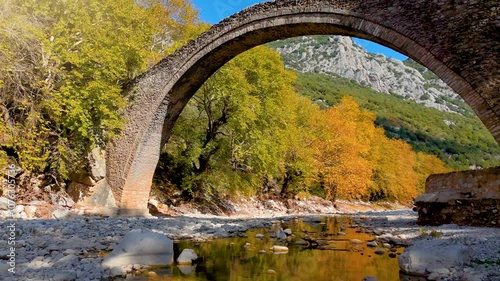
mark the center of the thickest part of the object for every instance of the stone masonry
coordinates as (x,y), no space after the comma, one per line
(463,198)
(457,40)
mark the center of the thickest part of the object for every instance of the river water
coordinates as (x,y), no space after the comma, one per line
(341,253)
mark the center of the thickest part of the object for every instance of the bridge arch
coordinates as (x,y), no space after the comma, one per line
(457,40)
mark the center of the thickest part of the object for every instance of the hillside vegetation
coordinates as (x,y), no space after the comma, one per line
(461,141)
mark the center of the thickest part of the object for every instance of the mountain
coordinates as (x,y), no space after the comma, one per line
(340,56)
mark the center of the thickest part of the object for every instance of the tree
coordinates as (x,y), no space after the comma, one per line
(342,148)
(244,127)
(63,65)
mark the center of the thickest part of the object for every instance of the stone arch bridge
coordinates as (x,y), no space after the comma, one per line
(456,39)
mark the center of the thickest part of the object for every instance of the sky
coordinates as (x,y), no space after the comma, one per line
(213,11)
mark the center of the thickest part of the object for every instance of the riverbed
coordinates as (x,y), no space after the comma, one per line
(68,249)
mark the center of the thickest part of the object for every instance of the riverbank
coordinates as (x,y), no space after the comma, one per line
(71,249)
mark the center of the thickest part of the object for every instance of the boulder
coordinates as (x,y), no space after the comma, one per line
(424,255)
(142,247)
(187,257)
(97,164)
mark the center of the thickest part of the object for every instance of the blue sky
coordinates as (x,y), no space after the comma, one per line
(213,11)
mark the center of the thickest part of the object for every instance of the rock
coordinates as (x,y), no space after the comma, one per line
(65,202)
(262,252)
(271,272)
(370,278)
(77,191)
(356,241)
(102,195)
(301,242)
(37,203)
(97,159)
(141,247)
(18,209)
(5,203)
(69,252)
(288,231)
(61,214)
(441,271)
(30,211)
(65,276)
(372,244)
(259,236)
(187,257)
(66,261)
(118,271)
(424,254)
(379,251)
(280,234)
(279,249)
(187,269)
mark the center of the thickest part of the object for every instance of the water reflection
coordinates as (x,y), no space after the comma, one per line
(330,249)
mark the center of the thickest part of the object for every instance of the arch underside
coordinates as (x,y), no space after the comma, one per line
(162,92)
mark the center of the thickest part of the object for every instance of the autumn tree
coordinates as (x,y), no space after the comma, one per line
(342,149)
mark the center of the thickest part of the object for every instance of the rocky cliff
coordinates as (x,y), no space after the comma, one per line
(340,56)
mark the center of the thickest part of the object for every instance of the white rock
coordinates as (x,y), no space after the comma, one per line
(5,203)
(18,209)
(279,249)
(30,211)
(187,257)
(186,269)
(432,253)
(141,247)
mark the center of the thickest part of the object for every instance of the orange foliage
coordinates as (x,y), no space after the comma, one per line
(355,160)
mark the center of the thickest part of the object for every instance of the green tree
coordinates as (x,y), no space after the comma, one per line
(242,128)
(63,64)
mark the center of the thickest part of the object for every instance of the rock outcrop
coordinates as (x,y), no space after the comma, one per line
(340,56)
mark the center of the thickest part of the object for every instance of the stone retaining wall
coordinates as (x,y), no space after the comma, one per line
(463,198)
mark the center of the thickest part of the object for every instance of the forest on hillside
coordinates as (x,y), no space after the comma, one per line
(251,129)
(461,141)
